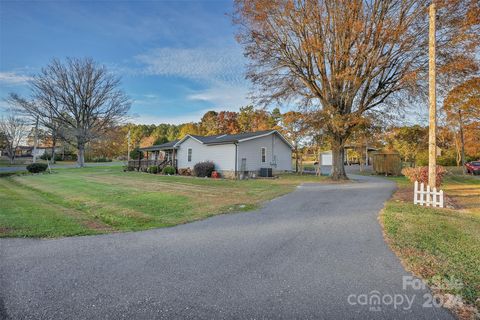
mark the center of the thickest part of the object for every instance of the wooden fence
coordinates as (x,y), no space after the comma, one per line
(427,197)
(387,163)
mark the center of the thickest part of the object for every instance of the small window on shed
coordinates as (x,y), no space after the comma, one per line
(264,154)
(189,154)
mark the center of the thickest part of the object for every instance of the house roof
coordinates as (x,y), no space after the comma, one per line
(163,146)
(216,139)
(232,138)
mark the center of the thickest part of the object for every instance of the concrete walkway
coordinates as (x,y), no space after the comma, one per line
(317,253)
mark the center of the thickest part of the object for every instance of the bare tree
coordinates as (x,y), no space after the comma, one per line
(78,100)
(44,115)
(14,129)
(347,57)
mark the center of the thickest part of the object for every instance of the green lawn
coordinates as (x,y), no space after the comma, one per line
(106,199)
(439,244)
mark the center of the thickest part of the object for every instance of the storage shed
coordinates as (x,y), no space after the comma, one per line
(387,163)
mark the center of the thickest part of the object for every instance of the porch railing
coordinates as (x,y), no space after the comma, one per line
(143,164)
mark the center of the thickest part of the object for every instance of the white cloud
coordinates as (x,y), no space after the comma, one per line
(13,78)
(155,119)
(229,97)
(210,64)
(220,70)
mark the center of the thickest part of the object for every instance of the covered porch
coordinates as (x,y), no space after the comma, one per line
(158,155)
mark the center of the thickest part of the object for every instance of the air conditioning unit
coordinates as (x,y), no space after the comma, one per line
(266,172)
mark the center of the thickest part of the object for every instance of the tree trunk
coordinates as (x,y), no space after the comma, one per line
(338,154)
(54,143)
(81,155)
(11,155)
(35,142)
(458,153)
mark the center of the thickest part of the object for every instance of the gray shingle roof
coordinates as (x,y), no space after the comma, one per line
(168,145)
(230,138)
(215,139)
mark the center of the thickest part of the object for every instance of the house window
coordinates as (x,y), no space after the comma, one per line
(189,155)
(264,154)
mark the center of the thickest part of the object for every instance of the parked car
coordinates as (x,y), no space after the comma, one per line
(473,167)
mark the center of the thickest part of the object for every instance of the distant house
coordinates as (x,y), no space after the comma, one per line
(233,154)
(28,151)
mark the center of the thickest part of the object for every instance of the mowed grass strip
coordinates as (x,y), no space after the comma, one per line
(106,199)
(25,213)
(439,243)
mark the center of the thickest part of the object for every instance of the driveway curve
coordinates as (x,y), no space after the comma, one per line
(316,253)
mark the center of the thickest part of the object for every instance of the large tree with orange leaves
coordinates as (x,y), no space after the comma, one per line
(462,107)
(346,57)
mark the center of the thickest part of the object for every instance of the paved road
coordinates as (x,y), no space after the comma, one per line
(59,166)
(311,254)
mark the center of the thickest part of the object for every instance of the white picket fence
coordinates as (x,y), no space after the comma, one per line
(427,197)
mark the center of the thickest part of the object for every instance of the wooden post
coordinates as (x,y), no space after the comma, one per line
(173,159)
(415,193)
(432,145)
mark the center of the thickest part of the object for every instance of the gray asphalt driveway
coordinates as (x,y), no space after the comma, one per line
(317,253)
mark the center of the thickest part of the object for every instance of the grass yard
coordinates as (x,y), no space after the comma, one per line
(439,244)
(106,199)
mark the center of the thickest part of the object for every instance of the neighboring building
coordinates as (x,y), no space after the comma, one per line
(326,157)
(27,151)
(233,154)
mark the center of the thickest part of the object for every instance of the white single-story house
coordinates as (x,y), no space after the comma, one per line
(29,151)
(234,155)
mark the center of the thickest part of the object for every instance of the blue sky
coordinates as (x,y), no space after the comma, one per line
(177,59)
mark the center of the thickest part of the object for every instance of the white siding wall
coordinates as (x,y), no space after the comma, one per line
(251,150)
(40,152)
(223,156)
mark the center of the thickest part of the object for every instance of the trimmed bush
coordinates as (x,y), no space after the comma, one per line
(100,159)
(420,174)
(168,170)
(204,169)
(48,156)
(37,167)
(127,168)
(152,169)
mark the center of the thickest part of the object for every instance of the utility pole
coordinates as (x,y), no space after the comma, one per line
(432,131)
